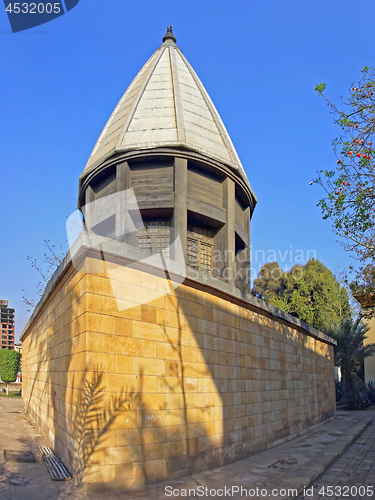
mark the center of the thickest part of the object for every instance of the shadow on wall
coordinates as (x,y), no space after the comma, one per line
(226,381)
(94,416)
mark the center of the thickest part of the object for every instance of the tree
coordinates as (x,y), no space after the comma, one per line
(269,284)
(350,353)
(350,200)
(310,293)
(52,259)
(9,366)
(350,186)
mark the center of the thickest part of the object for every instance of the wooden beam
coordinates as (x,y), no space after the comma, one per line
(179,219)
(121,209)
(229,242)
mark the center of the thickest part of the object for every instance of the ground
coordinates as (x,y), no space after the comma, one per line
(340,452)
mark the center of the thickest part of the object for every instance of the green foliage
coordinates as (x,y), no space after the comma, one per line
(309,292)
(11,394)
(350,187)
(9,366)
(269,284)
(350,352)
(320,87)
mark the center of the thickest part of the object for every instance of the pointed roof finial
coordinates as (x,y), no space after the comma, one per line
(169,35)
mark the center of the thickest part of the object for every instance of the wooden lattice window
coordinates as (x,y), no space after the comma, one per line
(155,238)
(206,257)
(193,252)
(199,252)
(144,242)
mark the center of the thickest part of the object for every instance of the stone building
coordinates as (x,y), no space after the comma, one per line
(138,372)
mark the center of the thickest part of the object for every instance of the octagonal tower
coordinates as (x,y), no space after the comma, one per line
(167,142)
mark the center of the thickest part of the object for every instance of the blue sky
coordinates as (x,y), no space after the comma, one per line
(259,61)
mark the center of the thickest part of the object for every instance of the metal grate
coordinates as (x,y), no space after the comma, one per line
(18,456)
(54,465)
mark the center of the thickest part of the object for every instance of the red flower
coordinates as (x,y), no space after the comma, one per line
(350,153)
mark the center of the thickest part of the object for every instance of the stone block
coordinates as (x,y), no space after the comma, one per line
(104,362)
(179,463)
(147,366)
(123,326)
(123,291)
(150,468)
(148,313)
(123,472)
(99,285)
(100,323)
(123,455)
(149,348)
(124,364)
(123,345)
(124,437)
(148,331)
(149,435)
(95,342)
(100,474)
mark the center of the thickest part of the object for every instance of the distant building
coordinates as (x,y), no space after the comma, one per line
(7,325)
(18,347)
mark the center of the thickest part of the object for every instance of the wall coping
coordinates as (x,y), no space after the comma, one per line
(93,245)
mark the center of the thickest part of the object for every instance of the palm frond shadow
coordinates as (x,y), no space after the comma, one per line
(94,417)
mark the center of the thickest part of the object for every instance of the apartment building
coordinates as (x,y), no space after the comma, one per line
(7,325)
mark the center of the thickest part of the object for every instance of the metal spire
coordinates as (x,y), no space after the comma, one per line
(169,35)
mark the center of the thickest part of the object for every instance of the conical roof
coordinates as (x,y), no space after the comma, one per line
(166,105)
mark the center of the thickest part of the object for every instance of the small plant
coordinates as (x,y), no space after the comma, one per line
(356,396)
(371,392)
(350,353)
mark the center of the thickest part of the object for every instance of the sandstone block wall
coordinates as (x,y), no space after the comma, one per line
(154,387)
